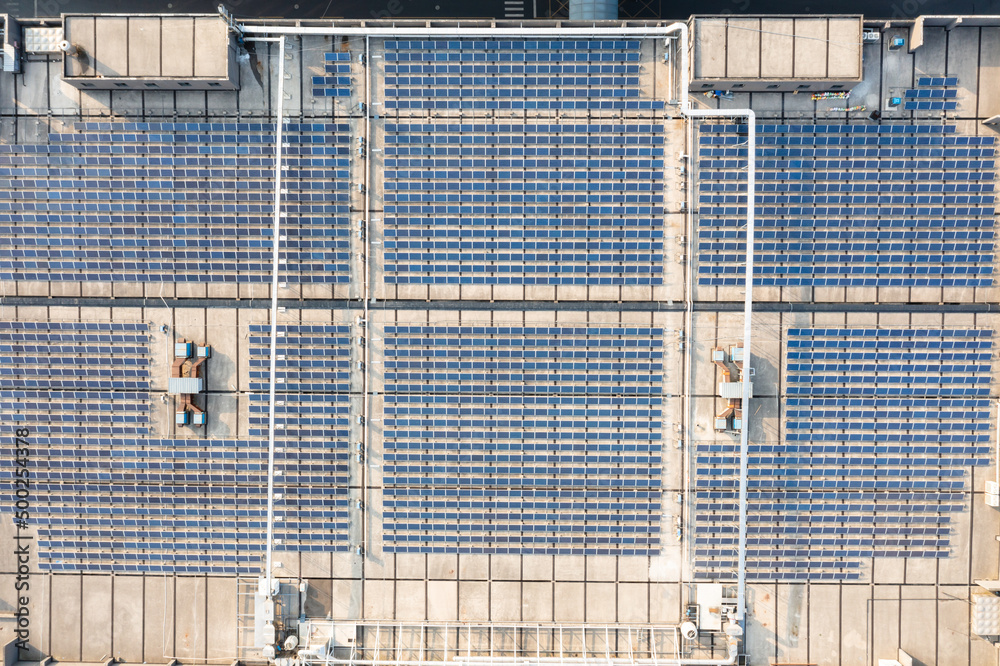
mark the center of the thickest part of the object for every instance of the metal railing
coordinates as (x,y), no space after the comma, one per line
(373,642)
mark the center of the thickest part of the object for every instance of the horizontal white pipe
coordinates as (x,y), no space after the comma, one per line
(546,31)
(658,628)
(526,661)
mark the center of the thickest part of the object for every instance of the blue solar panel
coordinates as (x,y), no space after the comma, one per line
(937,81)
(513,176)
(337,82)
(584,210)
(531,75)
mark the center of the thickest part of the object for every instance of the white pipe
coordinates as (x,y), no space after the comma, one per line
(731,644)
(670,70)
(732,650)
(685,511)
(611,661)
(379,31)
(681,27)
(429,31)
(747,330)
(688,350)
(550,31)
(278,139)
(741,573)
(747,299)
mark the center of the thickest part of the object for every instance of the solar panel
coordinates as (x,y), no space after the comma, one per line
(572,213)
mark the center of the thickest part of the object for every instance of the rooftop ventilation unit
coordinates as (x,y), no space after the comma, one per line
(992,494)
(43,40)
(731,388)
(986,611)
(186,381)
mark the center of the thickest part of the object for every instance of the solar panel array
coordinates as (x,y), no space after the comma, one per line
(337,79)
(524,203)
(515,74)
(520,439)
(500,438)
(932,94)
(849,206)
(106,495)
(312,421)
(150,505)
(110,496)
(882,426)
(174,202)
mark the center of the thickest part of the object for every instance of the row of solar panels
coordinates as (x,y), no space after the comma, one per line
(473,268)
(795,169)
(848,139)
(944,152)
(823,128)
(564,68)
(880,187)
(527,105)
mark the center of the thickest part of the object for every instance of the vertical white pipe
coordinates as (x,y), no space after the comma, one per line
(683,29)
(670,69)
(688,329)
(747,330)
(741,572)
(278,139)
(685,511)
(747,299)
(367,167)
